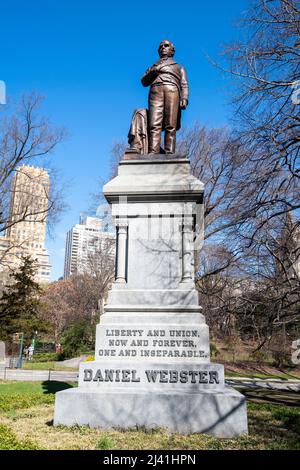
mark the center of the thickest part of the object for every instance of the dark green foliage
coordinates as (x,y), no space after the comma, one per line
(78,338)
(42,346)
(105,443)
(20,304)
(214,352)
(47,357)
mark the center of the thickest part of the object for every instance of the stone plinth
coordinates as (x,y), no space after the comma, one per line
(152,359)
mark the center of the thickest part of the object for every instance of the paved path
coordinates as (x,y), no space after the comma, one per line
(269,384)
(75,362)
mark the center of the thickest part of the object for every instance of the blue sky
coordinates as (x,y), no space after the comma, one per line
(87,58)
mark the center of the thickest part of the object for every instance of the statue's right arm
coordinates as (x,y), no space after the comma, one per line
(150,74)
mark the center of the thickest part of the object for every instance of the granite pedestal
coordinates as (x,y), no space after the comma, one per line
(152,358)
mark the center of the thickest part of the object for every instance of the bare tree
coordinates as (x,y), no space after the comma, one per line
(100,269)
(216,158)
(57,309)
(265,68)
(266,103)
(117,153)
(274,297)
(26,138)
(238,280)
(257,297)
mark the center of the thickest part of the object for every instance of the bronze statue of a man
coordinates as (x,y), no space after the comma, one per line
(169,93)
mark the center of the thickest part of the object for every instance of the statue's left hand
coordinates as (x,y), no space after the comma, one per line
(183,104)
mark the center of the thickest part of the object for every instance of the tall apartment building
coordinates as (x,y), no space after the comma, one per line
(27,221)
(86,240)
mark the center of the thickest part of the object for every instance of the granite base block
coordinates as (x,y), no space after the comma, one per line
(168,377)
(218,413)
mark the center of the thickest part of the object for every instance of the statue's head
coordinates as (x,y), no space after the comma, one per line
(166,49)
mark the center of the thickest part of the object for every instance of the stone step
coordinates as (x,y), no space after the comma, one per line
(221,413)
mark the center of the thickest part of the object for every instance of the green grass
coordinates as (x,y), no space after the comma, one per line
(47,366)
(12,388)
(278,427)
(9,441)
(28,388)
(105,443)
(26,413)
(20,395)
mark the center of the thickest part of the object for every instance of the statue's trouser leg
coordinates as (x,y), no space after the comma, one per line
(156,114)
(135,144)
(171,113)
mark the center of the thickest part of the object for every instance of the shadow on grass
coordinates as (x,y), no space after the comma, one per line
(277,426)
(273,397)
(53,386)
(289,373)
(290,420)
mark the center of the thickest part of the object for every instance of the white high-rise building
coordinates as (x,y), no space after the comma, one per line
(85,241)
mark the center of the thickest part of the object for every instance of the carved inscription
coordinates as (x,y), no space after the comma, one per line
(152,376)
(152,343)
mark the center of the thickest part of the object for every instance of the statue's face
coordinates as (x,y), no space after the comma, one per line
(165,49)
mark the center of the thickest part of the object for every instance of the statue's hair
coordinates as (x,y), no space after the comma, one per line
(172,47)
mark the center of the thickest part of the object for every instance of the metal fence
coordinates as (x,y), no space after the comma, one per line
(37,375)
